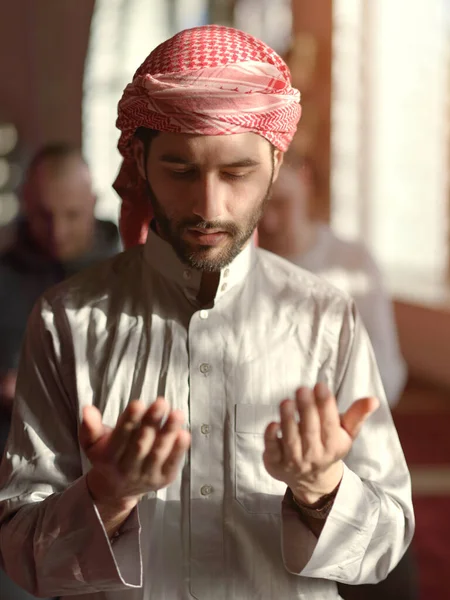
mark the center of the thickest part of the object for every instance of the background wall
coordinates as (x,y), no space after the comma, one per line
(42,51)
(310,62)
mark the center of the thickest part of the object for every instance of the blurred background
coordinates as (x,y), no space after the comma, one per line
(375,84)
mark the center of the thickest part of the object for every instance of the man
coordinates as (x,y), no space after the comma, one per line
(55,236)
(287,229)
(210,334)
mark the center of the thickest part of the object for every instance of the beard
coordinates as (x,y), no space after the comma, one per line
(201,257)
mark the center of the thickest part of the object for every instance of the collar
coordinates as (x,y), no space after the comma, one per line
(162,257)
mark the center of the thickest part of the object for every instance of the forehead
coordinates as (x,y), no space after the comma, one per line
(68,188)
(210,149)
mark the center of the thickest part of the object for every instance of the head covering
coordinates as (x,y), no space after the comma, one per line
(210,80)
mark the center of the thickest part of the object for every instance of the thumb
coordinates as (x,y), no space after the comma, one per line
(92,428)
(359,411)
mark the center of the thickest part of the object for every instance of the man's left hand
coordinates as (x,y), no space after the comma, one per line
(305,449)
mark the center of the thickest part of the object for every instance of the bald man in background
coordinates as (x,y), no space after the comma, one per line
(55,236)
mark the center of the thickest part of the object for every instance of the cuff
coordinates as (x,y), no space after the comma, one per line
(82,557)
(344,537)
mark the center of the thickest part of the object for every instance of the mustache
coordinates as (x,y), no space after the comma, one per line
(227,226)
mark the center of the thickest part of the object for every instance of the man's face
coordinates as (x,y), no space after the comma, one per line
(208,192)
(60,210)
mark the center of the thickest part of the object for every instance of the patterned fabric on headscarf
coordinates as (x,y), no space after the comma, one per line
(210,80)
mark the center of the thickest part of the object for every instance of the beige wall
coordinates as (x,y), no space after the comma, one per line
(424,334)
(310,63)
(42,50)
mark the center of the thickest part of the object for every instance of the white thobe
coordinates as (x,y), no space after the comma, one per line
(131,328)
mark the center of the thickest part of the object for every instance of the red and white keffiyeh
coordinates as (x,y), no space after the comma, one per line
(210,80)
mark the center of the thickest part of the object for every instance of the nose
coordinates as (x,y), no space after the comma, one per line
(210,198)
(58,232)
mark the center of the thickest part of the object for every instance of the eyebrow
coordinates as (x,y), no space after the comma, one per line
(178,160)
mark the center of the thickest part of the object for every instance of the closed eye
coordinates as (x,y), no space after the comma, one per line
(189,173)
(182,173)
(236,175)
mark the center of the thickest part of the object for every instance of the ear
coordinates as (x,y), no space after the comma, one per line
(139,156)
(278,158)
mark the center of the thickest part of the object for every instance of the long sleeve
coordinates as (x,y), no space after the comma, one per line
(371,522)
(47,517)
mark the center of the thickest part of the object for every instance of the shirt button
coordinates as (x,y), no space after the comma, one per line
(205,368)
(226,272)
(205,429)
(204,314)
(206,490)
(224,287)
(187,274)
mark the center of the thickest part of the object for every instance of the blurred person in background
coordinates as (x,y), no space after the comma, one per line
(288,230)
(55,236)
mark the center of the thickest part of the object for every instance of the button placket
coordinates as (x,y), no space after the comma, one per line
(206,456)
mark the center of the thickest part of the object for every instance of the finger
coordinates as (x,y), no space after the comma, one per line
(358,412)
(179,449)
(156,412)
(328,412)
(141,439)
(91,428)
(272,444)
(290,439)
(164,441)
(309,426)
(128,421)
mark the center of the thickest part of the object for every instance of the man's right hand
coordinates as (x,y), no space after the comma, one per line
(140,455)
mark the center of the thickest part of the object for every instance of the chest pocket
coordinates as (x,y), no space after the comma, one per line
(255,489)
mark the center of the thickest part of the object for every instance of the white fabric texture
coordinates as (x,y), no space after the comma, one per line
(131,328)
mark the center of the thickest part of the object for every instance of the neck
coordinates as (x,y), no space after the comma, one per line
(208,288)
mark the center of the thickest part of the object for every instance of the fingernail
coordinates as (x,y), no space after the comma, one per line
(322,391)
(291,408)
(304,394)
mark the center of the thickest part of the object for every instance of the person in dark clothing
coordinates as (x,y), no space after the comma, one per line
(55,236)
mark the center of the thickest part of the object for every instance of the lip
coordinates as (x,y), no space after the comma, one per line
(206,237)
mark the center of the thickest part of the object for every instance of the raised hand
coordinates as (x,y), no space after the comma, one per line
(140,455)
(305,449)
